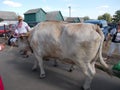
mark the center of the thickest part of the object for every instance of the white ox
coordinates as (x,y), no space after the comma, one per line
(79,43)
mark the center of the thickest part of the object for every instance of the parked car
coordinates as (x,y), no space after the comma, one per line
(4,30)
(103,25)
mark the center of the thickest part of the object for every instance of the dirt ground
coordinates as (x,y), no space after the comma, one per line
(114,59)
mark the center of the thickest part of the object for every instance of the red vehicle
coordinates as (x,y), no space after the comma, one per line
(4,29)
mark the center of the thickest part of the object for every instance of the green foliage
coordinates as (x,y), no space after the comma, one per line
(1,19)
(86,18)
(116,17)
(106,17)
(100,17)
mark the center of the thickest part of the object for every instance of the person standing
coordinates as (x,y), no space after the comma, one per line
(22,28)
(114,36)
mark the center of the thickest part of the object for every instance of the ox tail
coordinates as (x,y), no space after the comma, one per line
(104,66)
(100,47)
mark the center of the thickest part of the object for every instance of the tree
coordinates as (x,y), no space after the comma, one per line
(86,18)
(116,17)
(1,19)
(100,17)
(106,17)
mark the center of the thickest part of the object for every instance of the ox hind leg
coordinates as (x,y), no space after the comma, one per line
(89,71)
(34,68)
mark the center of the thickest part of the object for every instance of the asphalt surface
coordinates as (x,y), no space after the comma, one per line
(16,74)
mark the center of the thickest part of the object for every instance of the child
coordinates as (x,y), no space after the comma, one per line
(13,39)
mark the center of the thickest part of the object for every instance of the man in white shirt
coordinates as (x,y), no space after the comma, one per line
(22,28)
(115,40)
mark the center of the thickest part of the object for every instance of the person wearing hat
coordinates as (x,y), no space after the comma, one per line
(22,28)
(114,36)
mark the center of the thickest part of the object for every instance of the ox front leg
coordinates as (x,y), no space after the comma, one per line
(40,63)
(42,72)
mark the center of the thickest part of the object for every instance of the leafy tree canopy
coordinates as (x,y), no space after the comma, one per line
(116,16)
(106,17)
(1,19)
(86,18)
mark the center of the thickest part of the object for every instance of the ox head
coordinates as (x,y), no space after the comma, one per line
(24,44)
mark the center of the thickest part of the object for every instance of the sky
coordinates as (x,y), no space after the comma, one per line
(79,8)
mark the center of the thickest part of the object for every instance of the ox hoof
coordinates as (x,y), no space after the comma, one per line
(22,53)
(70,70)
(25,56)
(55,65)
(82,88)
(42,76)
(34,69)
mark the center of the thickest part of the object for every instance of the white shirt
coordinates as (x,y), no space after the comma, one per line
(113,31)
(117,37)
(23,29)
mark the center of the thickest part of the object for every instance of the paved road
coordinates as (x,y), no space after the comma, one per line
(17,75)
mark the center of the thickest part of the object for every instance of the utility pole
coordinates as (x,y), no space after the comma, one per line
(69,11)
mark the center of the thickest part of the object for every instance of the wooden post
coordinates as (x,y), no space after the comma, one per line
(5,32)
